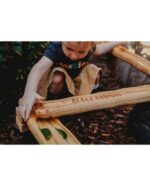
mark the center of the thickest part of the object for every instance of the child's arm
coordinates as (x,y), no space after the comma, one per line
(103,48)
(30,93)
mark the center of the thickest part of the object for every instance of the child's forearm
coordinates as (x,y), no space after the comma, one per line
(34,77)
(33,80)
(106,47)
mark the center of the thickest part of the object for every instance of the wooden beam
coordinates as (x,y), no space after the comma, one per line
(46,131)
(102,100)
(58,134)
(135,60)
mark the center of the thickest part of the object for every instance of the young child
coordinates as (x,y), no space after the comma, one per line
(63,63)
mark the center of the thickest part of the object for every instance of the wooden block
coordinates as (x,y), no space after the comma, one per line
(102,100)
(135,60)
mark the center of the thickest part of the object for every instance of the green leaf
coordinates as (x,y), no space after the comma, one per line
(62,133)
(43,46)
(46,132)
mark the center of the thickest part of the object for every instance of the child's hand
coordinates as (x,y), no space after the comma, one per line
(107,47)
(26,103)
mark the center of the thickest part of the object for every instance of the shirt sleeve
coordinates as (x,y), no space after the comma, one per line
(52,52)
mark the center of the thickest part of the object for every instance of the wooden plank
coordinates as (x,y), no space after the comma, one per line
(59,134)
(135,60)
(102,100)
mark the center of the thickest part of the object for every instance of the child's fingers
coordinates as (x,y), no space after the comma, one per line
(22,110)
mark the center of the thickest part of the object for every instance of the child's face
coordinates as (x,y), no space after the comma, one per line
(76,50)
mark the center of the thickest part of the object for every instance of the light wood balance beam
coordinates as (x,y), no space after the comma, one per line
(102,100)
(135,60)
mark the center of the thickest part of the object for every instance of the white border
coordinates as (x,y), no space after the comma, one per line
(75,165)
(48,20)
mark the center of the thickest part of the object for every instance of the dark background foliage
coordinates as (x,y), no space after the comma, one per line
(16,60)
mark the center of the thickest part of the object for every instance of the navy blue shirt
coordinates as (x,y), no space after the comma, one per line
(56,54)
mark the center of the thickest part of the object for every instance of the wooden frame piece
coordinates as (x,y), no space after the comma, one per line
(102,100)
(135,60)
